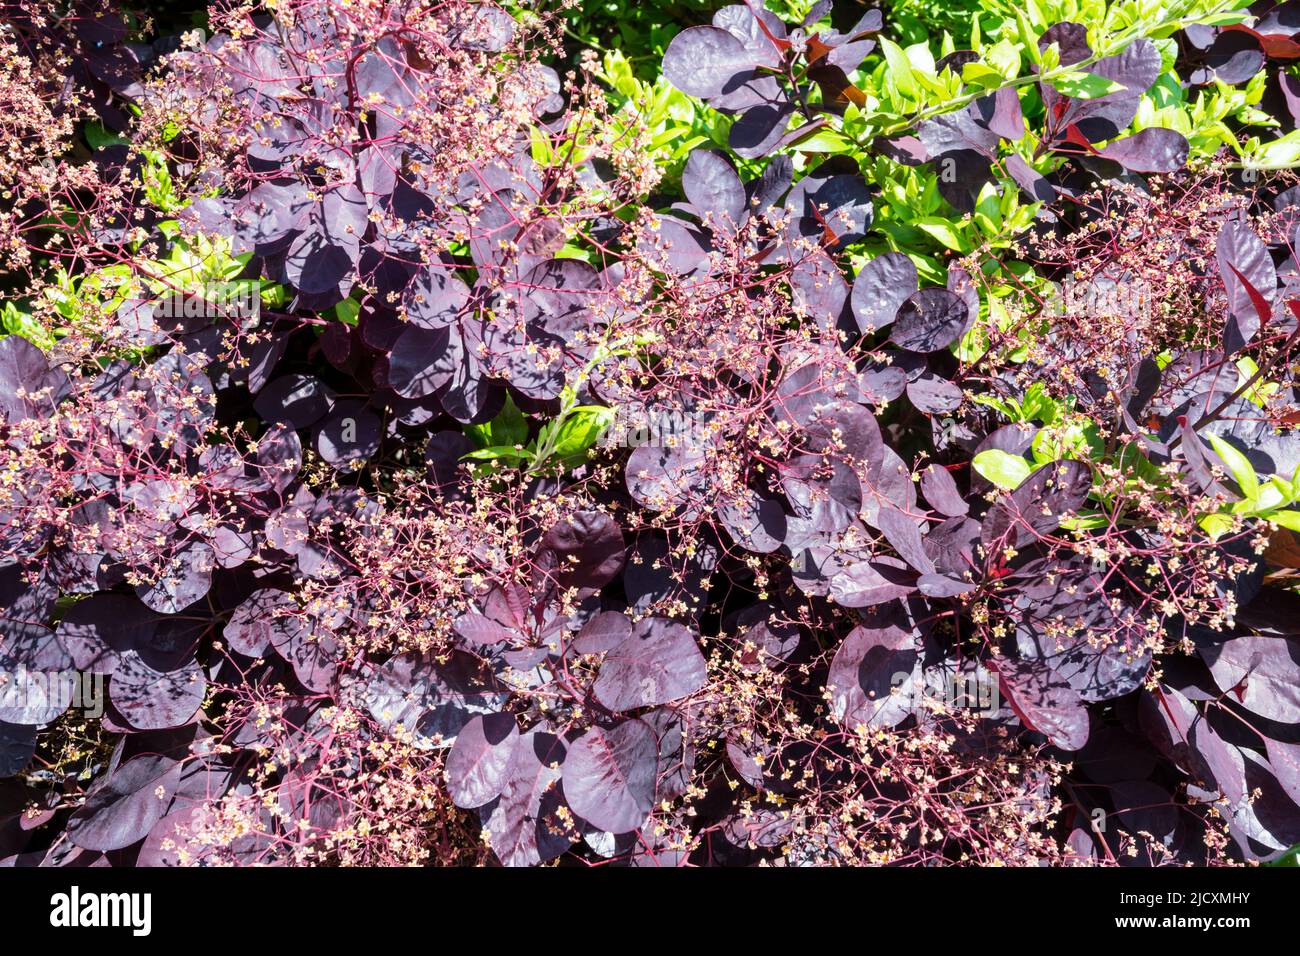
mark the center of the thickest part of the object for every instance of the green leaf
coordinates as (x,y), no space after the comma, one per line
(1005,470)
(988,214)
(1270,496)
(157,181)
(1004,56)
(1008,407)
(1286,490)
(944,231)
(542,153)
(1089,522)
(1281,153)
(1286,519)
(1290,858)
(98,136)
(1216,525)
(1241,468)
(508,429)
(977,74)
(1135,465)
(1040,406)
(1028,37)
(17,322)
(823,141)
(900,69)
(1168,48)
(1076,437)
(348,311)
(274,295)
(580,431)
(497,452)
(1223,19)
(1084,86)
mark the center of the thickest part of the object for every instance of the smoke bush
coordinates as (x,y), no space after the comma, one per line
(446,446)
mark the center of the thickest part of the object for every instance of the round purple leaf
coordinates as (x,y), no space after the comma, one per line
(156,700)
(929,320)
(609,775)
(658,662)
(479,760)
(702,60)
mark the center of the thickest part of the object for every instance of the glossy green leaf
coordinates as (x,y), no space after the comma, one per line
(1242,470)
(1005,470)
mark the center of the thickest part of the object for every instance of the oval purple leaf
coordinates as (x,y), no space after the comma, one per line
(480,758)
(609,775)
(658,662)
(929,320)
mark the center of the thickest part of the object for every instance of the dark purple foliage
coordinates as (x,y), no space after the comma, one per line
(370,547)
